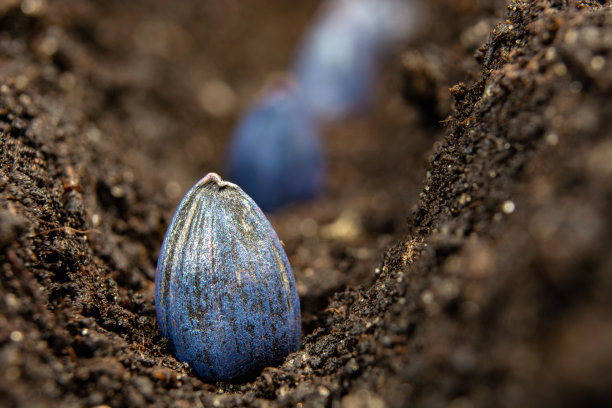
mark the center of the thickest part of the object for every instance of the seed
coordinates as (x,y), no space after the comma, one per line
(225,294)
(336,65)
(338,60)
(275,154)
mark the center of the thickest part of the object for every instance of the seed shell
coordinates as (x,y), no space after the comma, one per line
(338,60)
(275,154)
(336,64)
(225,294)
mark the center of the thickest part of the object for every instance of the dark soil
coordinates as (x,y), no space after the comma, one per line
(460,257)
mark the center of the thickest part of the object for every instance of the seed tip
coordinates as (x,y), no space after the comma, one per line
(215,178)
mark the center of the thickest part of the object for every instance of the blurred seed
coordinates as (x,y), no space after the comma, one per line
(275,154)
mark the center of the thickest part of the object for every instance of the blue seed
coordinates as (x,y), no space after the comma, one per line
(337,63)
(225,295)
(387,20)
(336,67)
(275,154)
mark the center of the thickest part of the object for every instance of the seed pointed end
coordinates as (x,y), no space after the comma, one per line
(215,178)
